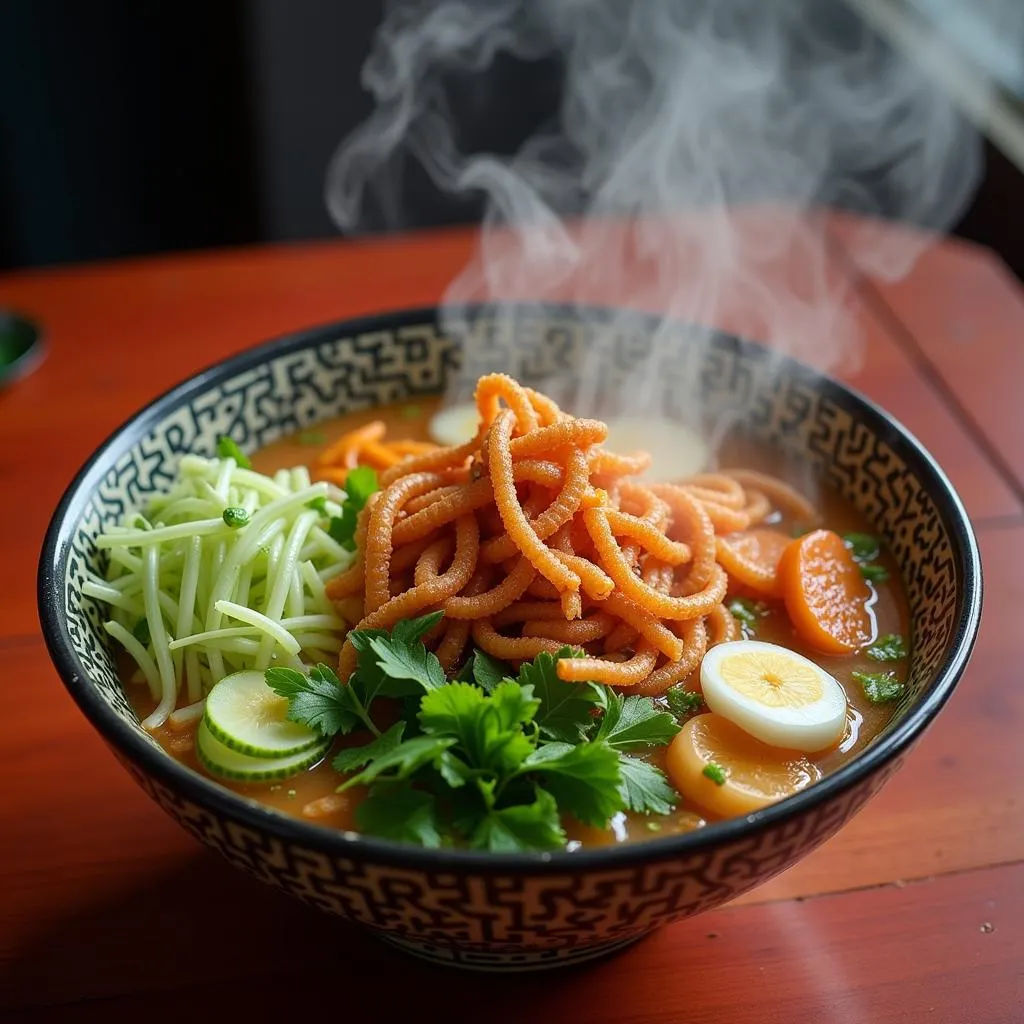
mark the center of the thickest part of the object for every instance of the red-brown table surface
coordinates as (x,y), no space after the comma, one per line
(914,912)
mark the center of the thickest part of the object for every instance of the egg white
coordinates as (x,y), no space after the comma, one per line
(808,726)
(676,451)
(454,424)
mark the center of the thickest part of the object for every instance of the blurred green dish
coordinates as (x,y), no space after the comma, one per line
(20,346)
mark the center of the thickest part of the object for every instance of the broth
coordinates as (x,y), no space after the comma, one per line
(311,795)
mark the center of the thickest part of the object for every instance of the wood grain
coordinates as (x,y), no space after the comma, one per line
(102,898)
(946,951)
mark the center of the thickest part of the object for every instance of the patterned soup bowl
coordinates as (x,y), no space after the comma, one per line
(516,911)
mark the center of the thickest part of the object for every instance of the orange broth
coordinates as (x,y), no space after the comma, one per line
(311,795)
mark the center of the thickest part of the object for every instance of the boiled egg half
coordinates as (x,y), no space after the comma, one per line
(454,424)
(774,694)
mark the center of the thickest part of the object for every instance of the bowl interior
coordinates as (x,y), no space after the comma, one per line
(296,382)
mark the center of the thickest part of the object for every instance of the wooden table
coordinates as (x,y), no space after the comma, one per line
(915,912)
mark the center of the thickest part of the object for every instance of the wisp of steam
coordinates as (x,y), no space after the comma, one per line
(679,121)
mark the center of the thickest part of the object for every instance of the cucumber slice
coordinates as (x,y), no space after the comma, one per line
(246,715)
(220,760)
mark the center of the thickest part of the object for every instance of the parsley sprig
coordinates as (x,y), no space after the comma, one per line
(891,647)
(865,548)
(489,760)
(879,687)
(360,483)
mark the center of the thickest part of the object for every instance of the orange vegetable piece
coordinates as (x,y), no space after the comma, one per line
(752,558)
(825,595)
(750,774)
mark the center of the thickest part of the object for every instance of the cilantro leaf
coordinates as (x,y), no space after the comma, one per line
(398,660)
(351,758)
(891,647)
(402,760)
(452,710)
(228,449)
(402,813)
(874,573)
(488,729)
(488,671)
(343,528)
(715,772)
(585,779)
(683,702)
(645,788)
(318,505)
(863,546)
(514,704)
(454,770)
(409,631)
(360,483)
(565,712)
(318,700)
(522,827)
(141,631)
(634,723)
(746,611)
(879,687)
(370,678)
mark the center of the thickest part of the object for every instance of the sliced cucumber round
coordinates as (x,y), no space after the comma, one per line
(247,716)
(220,760)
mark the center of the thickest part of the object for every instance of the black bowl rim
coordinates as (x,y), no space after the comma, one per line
(356,847)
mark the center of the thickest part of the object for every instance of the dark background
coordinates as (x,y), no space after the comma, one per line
(135,126)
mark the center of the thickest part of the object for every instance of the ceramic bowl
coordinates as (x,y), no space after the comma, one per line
(516,911)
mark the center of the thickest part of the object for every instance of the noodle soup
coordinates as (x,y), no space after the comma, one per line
(770,604)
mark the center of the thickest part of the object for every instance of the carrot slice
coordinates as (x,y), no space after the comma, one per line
(716,765)
(825,594)
(752,558)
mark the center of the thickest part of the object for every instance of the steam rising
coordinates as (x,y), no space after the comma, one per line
(679,121)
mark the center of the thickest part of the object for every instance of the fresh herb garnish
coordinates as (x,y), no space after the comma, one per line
(311,437)
(715,772)
(874,573)
(235,516)
(633,723)
(228,449)
(486,671)
(879,687)
(891,647)
(863,546)
(644,788)
(486,760)
(319,700)
(744,610)
(401,813)
(566,708)
(318,505)
(682,702)
(360,483)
